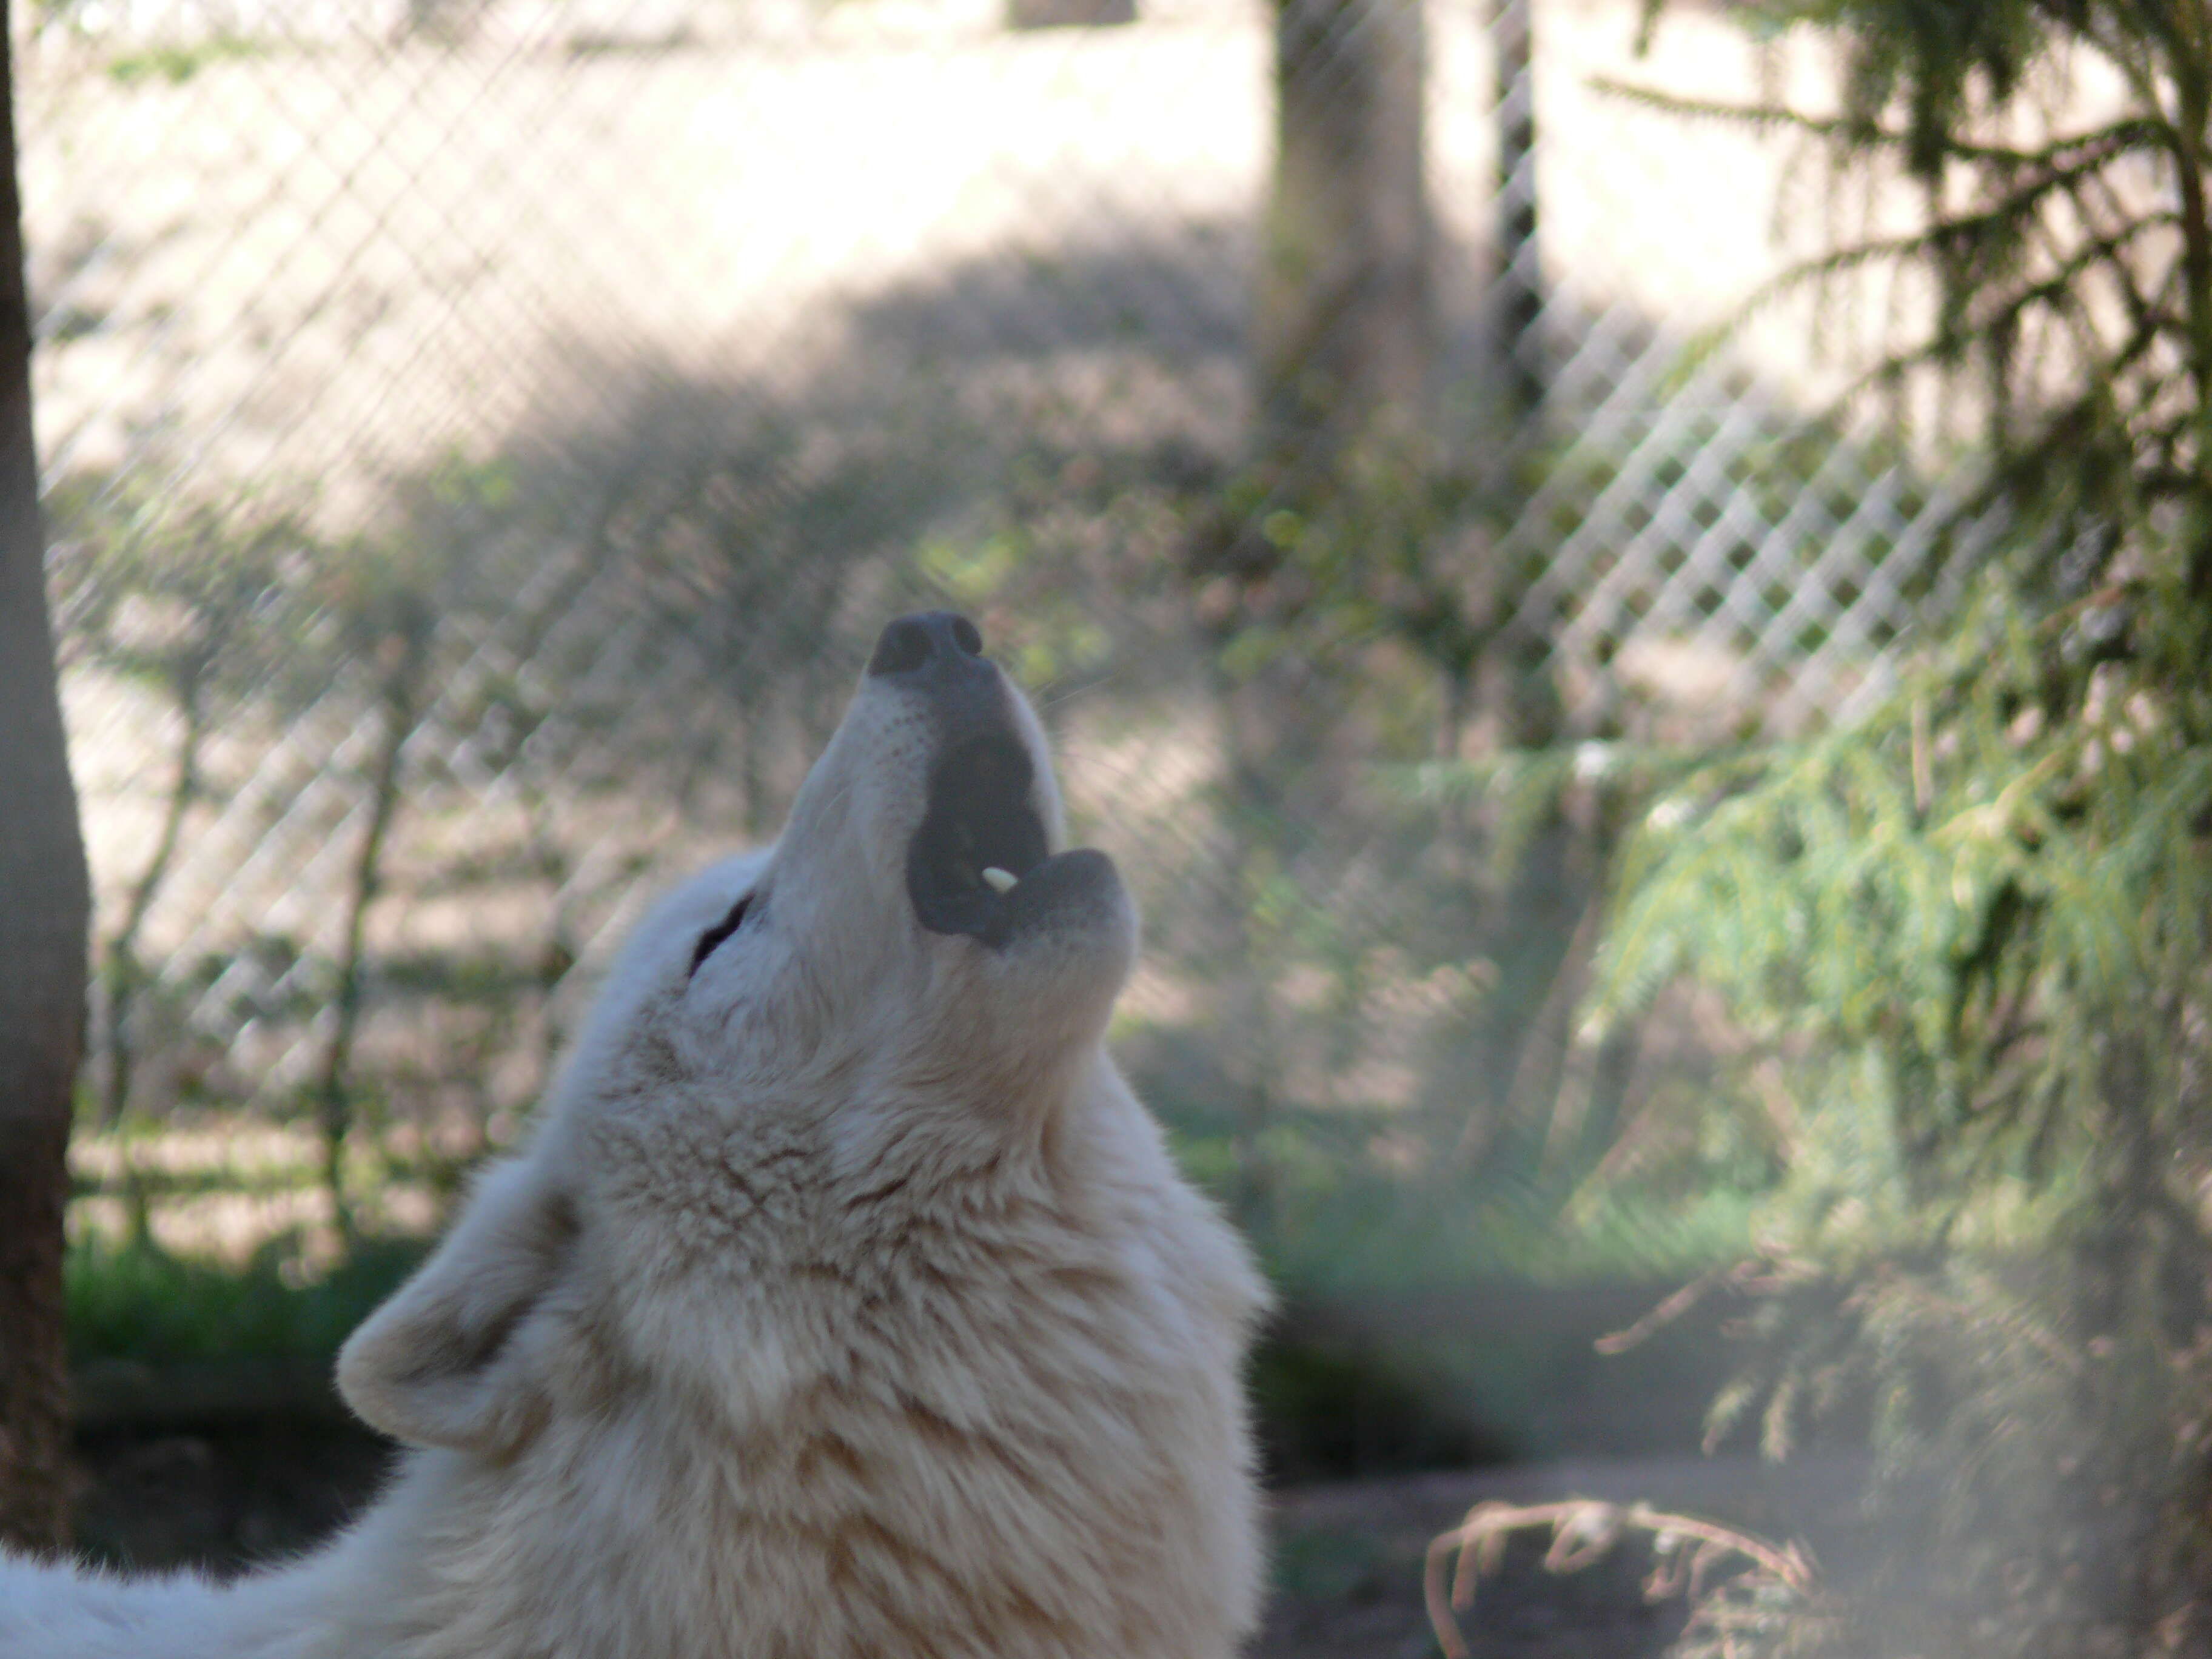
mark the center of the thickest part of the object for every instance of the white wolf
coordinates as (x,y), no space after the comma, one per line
(845,1302)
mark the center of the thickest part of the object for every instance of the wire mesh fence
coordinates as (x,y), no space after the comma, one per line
(481,439)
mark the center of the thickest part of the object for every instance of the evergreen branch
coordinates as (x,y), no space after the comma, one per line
(1993,820)
(1980,942)
(1942,346)
(1936,352)
(2138,304)
(2055,290)
(1938,242)
(2059,441)
(2131,132)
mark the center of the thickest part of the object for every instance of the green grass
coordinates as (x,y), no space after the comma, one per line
(1334,1224)
(139,1302)
(177,64)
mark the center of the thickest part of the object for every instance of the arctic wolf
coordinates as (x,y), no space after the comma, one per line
(845,1302)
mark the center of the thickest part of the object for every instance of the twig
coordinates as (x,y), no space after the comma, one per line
(1583,1531)
(1668,1310)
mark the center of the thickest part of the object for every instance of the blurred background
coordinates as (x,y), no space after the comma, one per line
(482,438)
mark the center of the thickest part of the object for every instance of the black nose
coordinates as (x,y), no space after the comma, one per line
(932,640)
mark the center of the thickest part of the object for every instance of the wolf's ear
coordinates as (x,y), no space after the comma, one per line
(460,1354)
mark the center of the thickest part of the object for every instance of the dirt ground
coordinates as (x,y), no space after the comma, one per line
(1348,1556)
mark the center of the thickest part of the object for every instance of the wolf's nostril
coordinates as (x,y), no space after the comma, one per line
(912,643)
(904,648)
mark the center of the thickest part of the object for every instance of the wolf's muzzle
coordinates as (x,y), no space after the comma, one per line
(979,863)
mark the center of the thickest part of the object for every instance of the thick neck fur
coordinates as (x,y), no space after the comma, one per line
(990,1397)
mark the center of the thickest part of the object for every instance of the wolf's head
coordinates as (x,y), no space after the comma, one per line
(907,988)
(919,912)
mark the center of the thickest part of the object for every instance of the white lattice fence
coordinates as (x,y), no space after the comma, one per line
(649,355)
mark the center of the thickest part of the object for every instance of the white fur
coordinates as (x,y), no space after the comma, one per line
(845,1302)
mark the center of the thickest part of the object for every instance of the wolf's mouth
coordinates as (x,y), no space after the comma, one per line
(980,842)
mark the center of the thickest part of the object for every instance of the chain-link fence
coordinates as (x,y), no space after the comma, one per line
(481,438)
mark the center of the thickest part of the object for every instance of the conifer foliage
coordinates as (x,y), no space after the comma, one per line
(1976,927)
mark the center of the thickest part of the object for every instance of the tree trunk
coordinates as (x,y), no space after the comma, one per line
(1343,318)
(45,910)
(409,654)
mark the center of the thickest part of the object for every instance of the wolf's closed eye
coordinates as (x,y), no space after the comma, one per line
(720,930)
